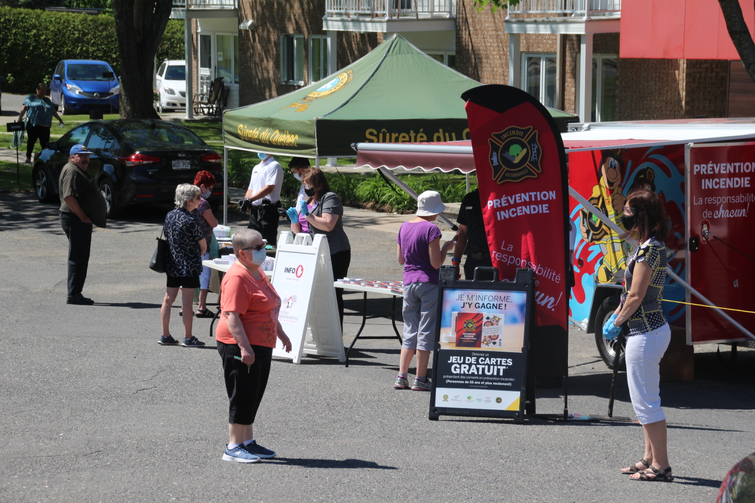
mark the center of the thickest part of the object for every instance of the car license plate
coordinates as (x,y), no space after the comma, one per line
(181,164)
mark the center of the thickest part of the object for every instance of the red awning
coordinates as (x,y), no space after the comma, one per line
(445,156)
(448,156)
(678,29)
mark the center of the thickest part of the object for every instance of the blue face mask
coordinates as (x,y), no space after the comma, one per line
(262,155)
(259,256)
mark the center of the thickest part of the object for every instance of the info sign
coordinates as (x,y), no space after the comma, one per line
(481,354)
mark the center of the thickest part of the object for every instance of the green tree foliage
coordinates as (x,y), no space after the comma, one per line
(32,42)
(494,4)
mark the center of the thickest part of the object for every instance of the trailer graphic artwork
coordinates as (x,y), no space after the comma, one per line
(609,199)
(599,254)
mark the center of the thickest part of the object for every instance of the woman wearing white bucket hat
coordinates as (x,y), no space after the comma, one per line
(420,253)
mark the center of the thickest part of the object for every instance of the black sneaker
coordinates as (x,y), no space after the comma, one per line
(192,343)
(167,341)
(79,300)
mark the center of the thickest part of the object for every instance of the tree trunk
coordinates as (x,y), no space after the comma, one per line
(140,25)
(740,35)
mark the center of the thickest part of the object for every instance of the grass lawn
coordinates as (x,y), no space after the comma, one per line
(9,176)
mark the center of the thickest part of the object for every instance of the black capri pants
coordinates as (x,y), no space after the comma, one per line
(245,384)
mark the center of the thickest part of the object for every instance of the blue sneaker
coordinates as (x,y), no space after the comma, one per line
(257,450)
(239,455)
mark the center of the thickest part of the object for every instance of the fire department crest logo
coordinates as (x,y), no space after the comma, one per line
(515,154)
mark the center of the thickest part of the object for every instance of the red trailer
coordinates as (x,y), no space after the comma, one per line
(703,169)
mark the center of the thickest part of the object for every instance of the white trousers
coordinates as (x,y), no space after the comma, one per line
(643,358)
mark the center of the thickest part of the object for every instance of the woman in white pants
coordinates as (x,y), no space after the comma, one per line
(648,333)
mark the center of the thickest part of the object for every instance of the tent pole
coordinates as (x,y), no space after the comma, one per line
(225,185)
(388,174)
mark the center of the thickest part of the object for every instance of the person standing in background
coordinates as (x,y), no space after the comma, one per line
(39,111)
(299,167)
(207,221)
(418,250)
(471,238)
(77,192)
(186,245)
(323,212)
(264,194)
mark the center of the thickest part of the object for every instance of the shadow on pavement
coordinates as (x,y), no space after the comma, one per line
(329,463)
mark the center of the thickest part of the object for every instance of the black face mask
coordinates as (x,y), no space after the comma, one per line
(310,191)
(628,221)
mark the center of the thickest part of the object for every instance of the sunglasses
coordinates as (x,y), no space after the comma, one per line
(258,247)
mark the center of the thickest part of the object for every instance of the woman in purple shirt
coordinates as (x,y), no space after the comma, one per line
(420,253)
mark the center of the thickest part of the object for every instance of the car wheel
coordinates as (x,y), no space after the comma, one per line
(159,106)
(62,104)
(42,185)
(608,348)
(108,192)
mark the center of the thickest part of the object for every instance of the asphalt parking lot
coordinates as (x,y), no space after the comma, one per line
(94,410)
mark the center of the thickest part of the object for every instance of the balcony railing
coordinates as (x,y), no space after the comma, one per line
(206,4)
(391,9)
(573,8)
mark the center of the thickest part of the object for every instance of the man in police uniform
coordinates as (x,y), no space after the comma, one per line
(471,238)
(80,203)
(264,194)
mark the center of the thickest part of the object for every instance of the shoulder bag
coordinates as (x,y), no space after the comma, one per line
(160,256)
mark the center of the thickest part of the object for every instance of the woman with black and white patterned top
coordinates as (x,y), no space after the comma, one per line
(186,243)
(648,333)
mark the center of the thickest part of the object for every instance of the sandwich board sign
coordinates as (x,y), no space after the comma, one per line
(302,267)
(482,340)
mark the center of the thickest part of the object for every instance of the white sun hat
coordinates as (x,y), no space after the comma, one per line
(429,204)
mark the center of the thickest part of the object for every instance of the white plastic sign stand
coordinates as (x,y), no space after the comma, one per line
(310,321)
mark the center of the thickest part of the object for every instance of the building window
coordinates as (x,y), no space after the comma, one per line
(447,58)
(539,77)
(292,59)
(227,57)
(603,88)
(318,58)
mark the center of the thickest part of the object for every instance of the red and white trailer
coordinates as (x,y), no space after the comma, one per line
(704,169)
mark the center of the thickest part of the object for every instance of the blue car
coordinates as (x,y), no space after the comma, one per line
(84,85)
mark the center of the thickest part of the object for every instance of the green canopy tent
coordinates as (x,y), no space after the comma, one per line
(396,93)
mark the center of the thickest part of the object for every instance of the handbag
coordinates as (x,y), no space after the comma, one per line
(160,256)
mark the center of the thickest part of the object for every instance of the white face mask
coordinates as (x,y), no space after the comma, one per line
(297,176)
(206,194)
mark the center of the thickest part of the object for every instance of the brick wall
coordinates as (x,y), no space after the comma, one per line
(482,47)
(259,49)
(706,88)
(651,89)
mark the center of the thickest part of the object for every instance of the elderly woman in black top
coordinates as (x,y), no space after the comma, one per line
(648,333)
(184,265)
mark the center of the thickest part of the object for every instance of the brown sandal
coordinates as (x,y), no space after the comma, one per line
(633,469)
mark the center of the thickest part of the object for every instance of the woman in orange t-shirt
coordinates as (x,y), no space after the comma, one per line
(246,336)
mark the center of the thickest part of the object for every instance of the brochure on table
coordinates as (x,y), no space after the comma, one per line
(302,266)
(481,354)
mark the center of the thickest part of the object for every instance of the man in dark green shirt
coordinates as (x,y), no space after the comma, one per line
(77,191)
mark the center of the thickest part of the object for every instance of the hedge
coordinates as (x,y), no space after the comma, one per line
(32,42)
